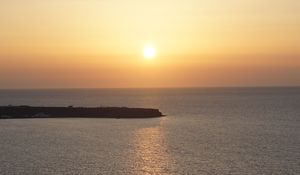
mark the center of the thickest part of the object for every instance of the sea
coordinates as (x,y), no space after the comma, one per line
(209,131)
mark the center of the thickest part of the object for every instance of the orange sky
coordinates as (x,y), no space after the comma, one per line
(99,43)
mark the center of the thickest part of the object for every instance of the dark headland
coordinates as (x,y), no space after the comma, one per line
(12,112)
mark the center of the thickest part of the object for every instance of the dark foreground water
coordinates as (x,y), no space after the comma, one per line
(207,131)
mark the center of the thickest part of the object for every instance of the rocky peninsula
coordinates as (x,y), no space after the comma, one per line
(12,112)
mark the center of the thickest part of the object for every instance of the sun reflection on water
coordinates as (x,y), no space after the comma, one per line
(151,152)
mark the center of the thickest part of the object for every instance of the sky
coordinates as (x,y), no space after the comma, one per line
(100,43)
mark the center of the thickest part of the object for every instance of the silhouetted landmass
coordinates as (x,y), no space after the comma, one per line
(7,112)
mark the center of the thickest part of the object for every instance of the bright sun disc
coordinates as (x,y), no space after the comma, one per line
(149,52)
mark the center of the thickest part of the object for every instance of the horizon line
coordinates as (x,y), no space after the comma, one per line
(164,87)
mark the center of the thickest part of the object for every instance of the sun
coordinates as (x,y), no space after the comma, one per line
(149,52)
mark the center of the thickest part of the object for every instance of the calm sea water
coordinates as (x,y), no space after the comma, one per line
(207,131)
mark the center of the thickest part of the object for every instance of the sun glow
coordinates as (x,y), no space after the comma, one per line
(149,52)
